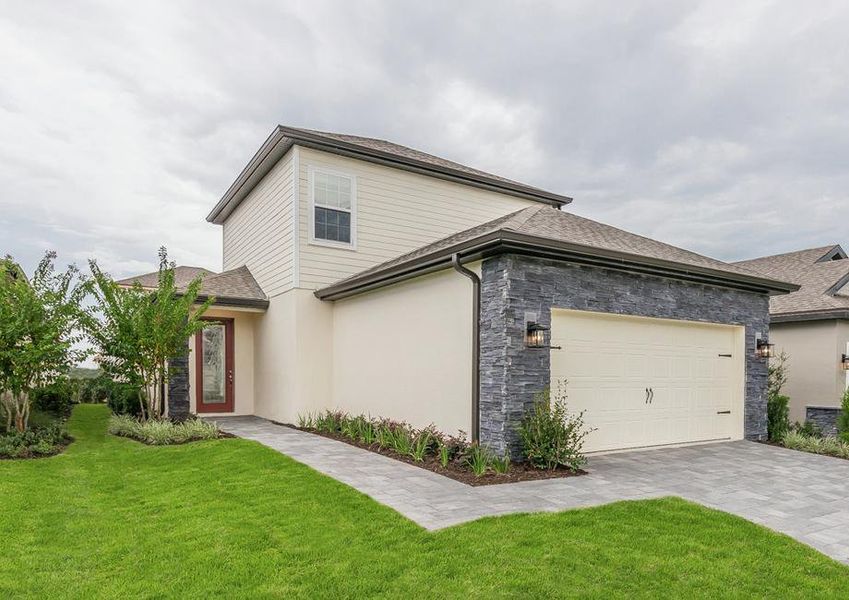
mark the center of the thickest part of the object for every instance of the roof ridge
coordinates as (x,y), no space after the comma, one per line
(519,218)
(825,249)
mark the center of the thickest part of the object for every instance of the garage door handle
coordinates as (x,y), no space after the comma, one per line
(724,356)
(647,395)
(723,412)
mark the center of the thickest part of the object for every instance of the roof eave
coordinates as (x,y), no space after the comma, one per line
(283,138)
(810,315)
(236,302)
(507,241)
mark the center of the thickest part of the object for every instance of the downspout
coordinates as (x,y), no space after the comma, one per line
(476,344)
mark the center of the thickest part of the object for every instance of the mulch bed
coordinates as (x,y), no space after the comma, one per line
(518,471)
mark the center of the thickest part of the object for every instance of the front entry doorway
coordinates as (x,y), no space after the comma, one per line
(214,367)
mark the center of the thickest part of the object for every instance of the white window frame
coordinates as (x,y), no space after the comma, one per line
(352,245)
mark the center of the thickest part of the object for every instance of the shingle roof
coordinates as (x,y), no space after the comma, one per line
(822,281)
(236,287)
(541,225)
(182,277)
(370,149)
(236,283)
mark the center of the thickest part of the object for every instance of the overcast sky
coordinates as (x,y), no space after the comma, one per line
(722,127)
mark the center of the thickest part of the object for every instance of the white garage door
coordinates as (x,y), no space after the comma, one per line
(649,382)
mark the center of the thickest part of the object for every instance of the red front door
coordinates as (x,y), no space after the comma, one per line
(214,367)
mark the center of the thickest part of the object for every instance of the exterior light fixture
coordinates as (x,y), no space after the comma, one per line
(844,362)
(535,335)
(764,349)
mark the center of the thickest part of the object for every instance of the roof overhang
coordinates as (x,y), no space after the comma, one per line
(283,138)
(501,242)
(233,302)
(810,315)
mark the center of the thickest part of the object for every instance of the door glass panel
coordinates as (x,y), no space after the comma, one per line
(214,374)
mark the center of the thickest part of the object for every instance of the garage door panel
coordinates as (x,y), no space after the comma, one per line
(609,361)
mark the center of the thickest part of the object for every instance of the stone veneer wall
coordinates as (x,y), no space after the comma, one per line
(825,418)
(516,288)
(178,387)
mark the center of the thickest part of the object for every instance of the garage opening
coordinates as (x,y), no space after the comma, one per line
(646,382)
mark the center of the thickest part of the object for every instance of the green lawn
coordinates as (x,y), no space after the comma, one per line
(229,518)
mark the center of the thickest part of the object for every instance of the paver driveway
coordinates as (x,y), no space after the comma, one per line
(803,495)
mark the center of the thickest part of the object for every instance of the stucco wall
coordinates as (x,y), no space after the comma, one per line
(514,287)
(814,377)
(405,352)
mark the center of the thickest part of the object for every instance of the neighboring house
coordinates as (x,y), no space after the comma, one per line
(379,279)
(812,327)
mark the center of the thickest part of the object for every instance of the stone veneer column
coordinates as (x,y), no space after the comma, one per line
(178,387)
(517,288)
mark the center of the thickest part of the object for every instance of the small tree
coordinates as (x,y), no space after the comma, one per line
(777,405)
(38,320)
(777,374)
(137,331)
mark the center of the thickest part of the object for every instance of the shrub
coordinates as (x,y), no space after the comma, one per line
(808,429)
(161,433)
(123,398)
(778,416)
(56,398)
(843,418)
(828,445)
(329,422)
(551,436)
(478,459)
(422,443)
(37,441)
(501,465)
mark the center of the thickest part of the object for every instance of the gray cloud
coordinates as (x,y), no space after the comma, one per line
(720,127)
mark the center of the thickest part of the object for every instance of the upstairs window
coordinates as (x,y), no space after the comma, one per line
(333,202)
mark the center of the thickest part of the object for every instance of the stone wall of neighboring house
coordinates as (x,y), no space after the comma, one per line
(514,286)
(825,417)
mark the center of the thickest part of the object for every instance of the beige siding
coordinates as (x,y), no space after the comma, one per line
(813,349)
(397,211)
(260,232)
(405,352)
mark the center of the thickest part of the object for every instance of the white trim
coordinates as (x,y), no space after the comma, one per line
(312,170)
(296,217)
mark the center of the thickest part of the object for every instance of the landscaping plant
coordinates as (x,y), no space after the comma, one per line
(138,331)
(160,433)
(843,417)
(551,436)
(777,405)
(38,333)
(777,416)
(478,458)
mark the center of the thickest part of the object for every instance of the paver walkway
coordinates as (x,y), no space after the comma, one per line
(803,495)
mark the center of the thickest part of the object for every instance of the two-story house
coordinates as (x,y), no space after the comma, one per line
(373,278)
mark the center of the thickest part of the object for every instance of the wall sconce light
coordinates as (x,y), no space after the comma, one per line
(535,336)
(844,362)
(764,349)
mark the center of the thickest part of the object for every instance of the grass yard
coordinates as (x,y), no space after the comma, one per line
(114,518)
